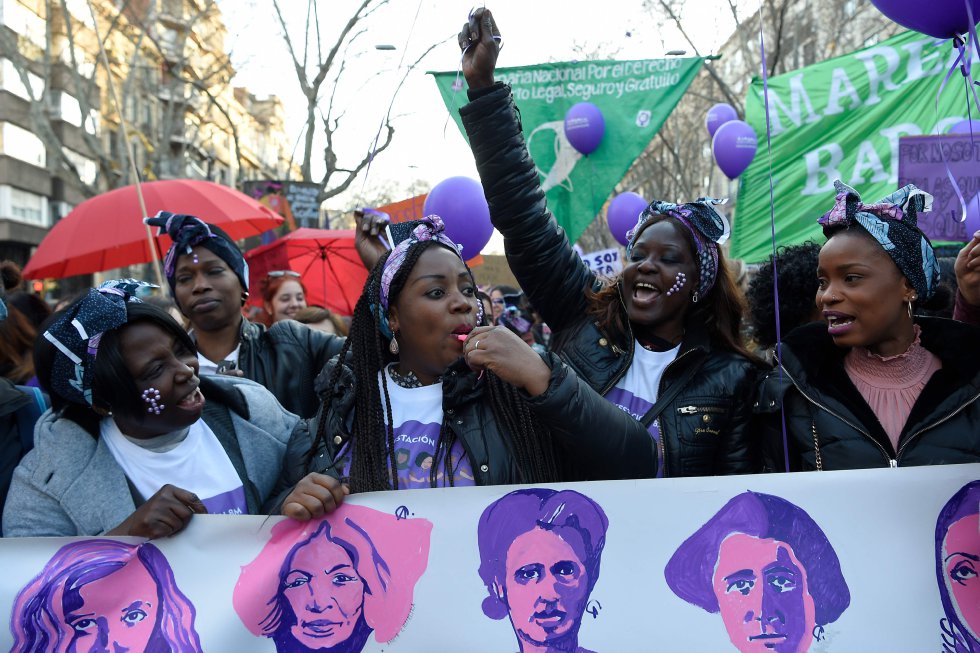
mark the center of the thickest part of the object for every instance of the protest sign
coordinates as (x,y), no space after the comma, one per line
(873,560)
(604,262)
(634,97)
(927,162)
(841,118)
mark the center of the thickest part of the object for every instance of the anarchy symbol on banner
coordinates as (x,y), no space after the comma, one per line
(593,607)
(401,512)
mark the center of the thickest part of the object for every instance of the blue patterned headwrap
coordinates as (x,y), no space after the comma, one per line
(77,333)
(893,223)
(187,232)
(3,310)
(708,228)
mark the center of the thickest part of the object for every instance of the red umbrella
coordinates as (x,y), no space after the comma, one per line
(107,231)
(326,259)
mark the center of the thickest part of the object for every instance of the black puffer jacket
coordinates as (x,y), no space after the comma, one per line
(286,359)
(828,419)
(705,429)
(568,408)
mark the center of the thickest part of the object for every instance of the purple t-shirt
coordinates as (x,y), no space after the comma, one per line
(637,391)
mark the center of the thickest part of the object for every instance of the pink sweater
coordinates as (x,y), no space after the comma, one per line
(892,384)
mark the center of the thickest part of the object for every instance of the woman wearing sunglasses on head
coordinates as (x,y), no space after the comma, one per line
(209,280)
(283,295)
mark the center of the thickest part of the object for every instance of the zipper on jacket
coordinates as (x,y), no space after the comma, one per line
(692,410)
(662,445)
(892,462)
(935,424)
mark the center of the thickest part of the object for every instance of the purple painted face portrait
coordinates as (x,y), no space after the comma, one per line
(539,559)
(958,570)
(103,595)
(767,568)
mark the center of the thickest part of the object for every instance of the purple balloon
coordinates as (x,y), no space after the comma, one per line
(718,115)
(963,127)
(943,19)
(460,202)
(622,213)
(584,127)
(734,146)
(972,222)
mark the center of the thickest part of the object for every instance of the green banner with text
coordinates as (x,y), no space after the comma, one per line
(840,119)
(635,98)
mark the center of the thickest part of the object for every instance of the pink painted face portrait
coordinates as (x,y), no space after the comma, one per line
(961,566)
(763,595)
(118,612)
(546,587)
(325,593)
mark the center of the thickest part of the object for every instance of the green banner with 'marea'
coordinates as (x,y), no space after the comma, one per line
(840,119)
(635,98)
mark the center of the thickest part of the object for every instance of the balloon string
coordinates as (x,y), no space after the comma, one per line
(974,49)
(772,227)
(958,44)
(457,85)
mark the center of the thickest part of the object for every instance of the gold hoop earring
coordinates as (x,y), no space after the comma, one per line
(910,309)
(393,346)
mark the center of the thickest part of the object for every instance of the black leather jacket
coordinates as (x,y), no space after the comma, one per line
(704,430)
(568,408)
(286,358)
(827,418)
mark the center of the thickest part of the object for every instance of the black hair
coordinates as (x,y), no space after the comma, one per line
(373,466)
(113,387)
(796,267)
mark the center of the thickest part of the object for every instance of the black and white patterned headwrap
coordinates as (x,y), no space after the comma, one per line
(77,333)
(893,223)
(708,228)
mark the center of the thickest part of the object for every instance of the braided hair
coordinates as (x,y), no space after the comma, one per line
(373,466)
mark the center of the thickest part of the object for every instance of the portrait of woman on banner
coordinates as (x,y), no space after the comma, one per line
(767,568)
(329,583)
(102,595)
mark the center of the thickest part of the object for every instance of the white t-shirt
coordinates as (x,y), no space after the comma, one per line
(637,391)
(417,417)
(210,367)
(199,464)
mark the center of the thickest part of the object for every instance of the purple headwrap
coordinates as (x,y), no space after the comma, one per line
(893,223)
(430,227)
(77,333)
(708,228)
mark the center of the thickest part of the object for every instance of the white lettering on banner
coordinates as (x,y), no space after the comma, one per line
(820,176)
(798,101)
(916,66)
(817,552)
(867,161)
(877,77)
(841,88)
(893,133)
(594,80)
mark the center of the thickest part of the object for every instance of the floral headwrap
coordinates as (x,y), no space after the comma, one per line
(77,333)
(708,228)
(429,228)
(188,231)
(893,223)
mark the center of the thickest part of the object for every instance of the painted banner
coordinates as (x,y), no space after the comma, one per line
(927,162)
(605,262)
(635,98)
(841,118)
(878,560)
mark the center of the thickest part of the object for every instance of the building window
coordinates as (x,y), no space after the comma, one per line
(10,81)
(87,170)
(23,21)
(21,144)
(27,207)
